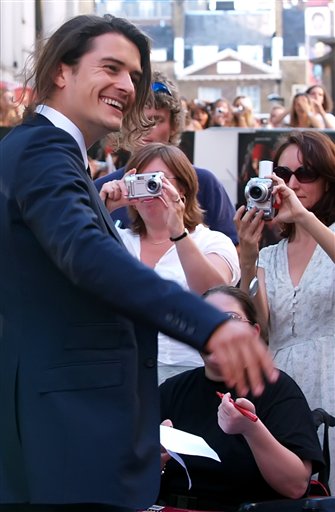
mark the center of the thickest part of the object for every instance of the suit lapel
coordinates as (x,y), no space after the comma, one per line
(37,119)
(103,210)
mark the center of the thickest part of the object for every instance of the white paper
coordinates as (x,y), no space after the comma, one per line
(178,441)
(182,463)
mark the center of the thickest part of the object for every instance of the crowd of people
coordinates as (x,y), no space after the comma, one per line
(120,311)
(311,108)
(173,358)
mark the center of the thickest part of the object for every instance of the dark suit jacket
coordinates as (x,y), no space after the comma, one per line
(78,326)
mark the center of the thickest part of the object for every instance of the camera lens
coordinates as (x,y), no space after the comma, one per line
(258,193)
(153,185)
(255,192)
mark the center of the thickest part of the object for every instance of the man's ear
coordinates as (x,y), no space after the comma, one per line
(60,75)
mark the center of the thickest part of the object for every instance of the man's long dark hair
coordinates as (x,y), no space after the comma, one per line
(73,40)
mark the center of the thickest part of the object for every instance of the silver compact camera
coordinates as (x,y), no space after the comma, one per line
(144,185)
(258,193)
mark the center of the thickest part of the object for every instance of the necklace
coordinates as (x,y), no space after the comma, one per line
(157,243)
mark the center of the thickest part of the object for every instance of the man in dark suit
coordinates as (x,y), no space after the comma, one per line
(78,315)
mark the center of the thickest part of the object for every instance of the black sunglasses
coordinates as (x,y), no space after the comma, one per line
(302,174)
(160,87)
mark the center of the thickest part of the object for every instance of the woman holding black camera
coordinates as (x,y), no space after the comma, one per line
(296,295)
(167,234)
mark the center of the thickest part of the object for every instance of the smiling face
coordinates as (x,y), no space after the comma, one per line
(308,193)
(98,92)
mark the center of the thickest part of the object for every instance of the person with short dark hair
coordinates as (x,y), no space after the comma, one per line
(267,459)
(79,401)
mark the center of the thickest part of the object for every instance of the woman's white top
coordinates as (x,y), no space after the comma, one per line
(330,118)
(170,351)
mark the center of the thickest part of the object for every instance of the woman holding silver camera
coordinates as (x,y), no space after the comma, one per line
(167,234)
(296,277)
(222,113)
(243,113)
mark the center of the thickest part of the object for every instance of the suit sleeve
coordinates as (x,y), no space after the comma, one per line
(121,214)
(116,175)
(53,199)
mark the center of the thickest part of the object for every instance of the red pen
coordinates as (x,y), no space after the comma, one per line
(242,410)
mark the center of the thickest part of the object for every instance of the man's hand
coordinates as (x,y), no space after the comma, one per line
(242,356)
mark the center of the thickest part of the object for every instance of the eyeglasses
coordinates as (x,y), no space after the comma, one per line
(236,316)
(160,87)
(302,174)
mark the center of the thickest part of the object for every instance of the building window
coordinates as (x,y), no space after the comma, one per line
(209,93)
